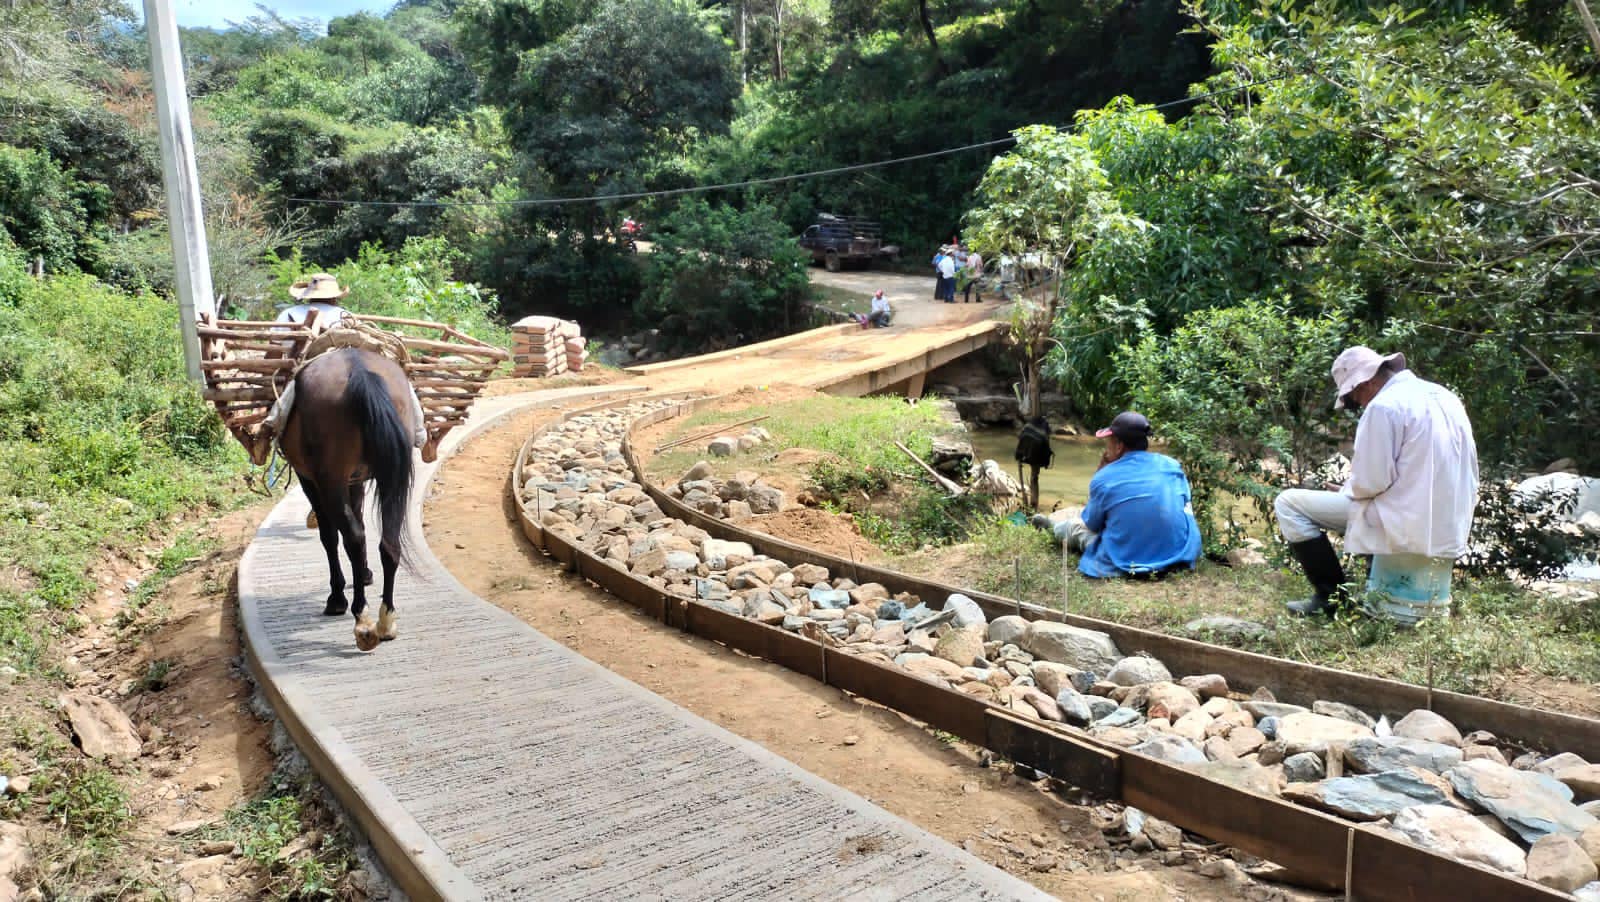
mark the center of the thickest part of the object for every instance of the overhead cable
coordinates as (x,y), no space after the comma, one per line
(747,183)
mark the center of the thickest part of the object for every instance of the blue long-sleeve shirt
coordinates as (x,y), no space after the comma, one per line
(1139,509)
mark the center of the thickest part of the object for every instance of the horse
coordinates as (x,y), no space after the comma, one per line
(351,423)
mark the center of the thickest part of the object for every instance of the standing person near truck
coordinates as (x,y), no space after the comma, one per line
(938,277)
(947,278)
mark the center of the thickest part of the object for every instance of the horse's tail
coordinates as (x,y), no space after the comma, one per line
(386,448)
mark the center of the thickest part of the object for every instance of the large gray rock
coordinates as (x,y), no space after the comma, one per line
(1171,701)
(1070,645)
(763,499)
(968,613)
(716,552)
(1370,796)
(1306,767)
(1343,712)
(1170,748)
(1246,775)
(1457,834)
(1226,627)
(1051,677)
(1074,707)
(1307,732)
(961,646)
(1557,862)
(1007,629)
(723,446)
(1260,709)
(1424,724)
(1381,753)
(1135,670)
(1556,763)
(1583,780)
(1533,805)
(102,729)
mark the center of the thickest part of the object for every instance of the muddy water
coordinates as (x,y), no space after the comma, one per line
(1067,479)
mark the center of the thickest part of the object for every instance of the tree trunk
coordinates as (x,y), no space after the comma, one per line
(933,39)
(777,43)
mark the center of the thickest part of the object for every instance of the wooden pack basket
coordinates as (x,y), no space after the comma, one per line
(247,364)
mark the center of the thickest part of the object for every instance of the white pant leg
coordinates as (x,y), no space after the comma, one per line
(420,436)
(1072,533)
(1304,514)
(279,414)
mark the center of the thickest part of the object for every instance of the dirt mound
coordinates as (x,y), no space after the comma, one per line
(817,529)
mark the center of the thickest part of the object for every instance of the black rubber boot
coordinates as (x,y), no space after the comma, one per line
(1323,570)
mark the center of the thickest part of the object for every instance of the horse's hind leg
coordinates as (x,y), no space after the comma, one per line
(358,504)
(328,532)
(386,619)
(354,530)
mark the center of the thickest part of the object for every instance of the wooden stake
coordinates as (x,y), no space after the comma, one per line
(1016,565)
(943,481)
(712,433)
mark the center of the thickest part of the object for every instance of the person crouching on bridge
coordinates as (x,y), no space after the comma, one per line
(1413,477)
(1138,521)
(881,312)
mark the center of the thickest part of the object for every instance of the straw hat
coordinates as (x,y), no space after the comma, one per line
(317,287)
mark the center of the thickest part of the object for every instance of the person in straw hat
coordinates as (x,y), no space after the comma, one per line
(319,293)
(1413,476)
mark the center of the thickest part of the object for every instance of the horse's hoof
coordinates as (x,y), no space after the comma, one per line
(366,636)
(336,607)
(387,629)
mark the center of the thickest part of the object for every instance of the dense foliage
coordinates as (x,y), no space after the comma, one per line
(1418,180)
(720,275)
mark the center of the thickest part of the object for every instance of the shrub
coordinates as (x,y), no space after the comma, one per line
(1524,536)
(1241,396)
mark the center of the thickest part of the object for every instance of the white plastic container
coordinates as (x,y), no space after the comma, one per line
(1408,587)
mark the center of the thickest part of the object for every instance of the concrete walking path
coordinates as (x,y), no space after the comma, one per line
(483,759)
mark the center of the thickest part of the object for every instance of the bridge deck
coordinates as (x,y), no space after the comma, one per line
(485,760)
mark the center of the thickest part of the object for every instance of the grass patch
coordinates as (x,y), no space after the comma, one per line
(860,431)
(279,832)
(841,299)
(1497,630)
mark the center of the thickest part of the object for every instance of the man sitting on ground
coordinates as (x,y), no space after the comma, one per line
(1413,477)
(1138,521)
(879,317)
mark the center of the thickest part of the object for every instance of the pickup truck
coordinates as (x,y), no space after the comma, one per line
(837,240)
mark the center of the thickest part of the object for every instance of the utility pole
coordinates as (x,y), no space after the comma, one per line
(185,218)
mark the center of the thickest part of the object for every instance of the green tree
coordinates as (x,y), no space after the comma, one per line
(723,276)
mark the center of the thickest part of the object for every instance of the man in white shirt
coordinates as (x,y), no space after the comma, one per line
(1413,476)
(879,316)
(947,278)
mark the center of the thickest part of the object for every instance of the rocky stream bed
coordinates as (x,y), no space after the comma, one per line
(1471,796)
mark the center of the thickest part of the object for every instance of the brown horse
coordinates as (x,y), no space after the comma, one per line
(351,422)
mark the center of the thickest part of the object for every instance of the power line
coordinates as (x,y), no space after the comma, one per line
(748,183)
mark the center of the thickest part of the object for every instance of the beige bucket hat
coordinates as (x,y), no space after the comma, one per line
(1356,365)
(317,287)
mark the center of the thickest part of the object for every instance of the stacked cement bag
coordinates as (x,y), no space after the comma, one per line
(542,346)
(577,354)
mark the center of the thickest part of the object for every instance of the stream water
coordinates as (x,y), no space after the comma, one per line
(1066,480)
